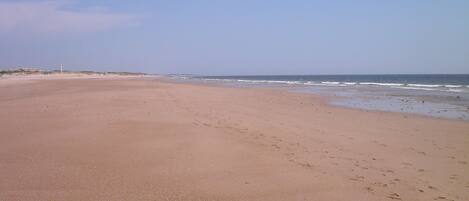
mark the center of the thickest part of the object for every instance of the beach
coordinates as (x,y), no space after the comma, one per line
(142,138)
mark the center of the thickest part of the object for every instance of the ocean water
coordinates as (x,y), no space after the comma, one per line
(454,83)
(436,95)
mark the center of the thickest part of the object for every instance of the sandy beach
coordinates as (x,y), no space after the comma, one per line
(130,138)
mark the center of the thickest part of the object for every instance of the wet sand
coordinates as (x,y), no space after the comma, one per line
(141,139)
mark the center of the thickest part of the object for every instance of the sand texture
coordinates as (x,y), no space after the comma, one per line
(144,139)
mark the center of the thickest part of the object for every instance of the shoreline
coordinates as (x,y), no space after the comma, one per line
(371,98)
(328,99)
(152,139)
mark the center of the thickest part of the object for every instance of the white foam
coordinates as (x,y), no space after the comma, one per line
(270,81)
(253,81)
(417,88)
(330,83)
(456,90)
(274,81)
(310,83)
(282,82)
(218,80)
(294,82)
(424,85)
(381,84)
(452,86)
(324,84)
(213,79)
(350,83)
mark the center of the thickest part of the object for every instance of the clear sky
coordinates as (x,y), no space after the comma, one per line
(238,36)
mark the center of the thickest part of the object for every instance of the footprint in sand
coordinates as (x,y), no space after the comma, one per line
(305,164)
(394,196)
(422,152)
(406,164)
(357,178)
(440,198)
(276,146)
(432,187)
(453,177)
(380,184)
(290,154)
(388,171)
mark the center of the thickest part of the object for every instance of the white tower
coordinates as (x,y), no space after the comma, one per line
(61,68)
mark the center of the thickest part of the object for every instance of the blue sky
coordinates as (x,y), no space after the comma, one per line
(238,36)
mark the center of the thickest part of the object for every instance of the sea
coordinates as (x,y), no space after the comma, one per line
(436,95)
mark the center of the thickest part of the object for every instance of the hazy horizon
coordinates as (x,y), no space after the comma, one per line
(214,75)
(256,37)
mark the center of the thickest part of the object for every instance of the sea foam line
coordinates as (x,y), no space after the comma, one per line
(452,86)
(414,86)
(424,85)
(382,84)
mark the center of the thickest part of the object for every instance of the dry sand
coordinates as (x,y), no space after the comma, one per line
(138,139)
